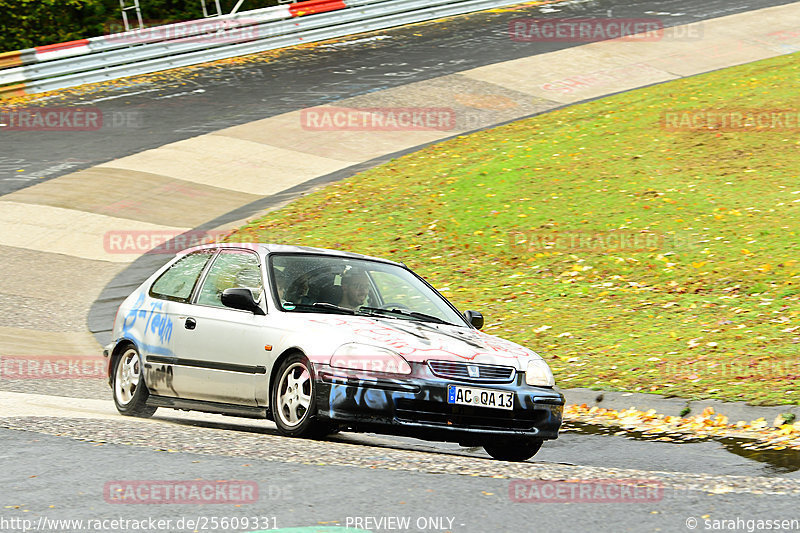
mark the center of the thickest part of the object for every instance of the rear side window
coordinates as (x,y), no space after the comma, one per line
(178,281)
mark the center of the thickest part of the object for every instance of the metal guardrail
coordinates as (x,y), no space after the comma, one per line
(137,52)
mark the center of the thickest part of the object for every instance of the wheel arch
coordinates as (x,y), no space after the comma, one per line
(276,365)
(120,347)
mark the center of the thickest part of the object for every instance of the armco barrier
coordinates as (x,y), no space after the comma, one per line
(108,57)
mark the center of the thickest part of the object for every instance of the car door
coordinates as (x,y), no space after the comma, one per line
(222,352)
(154,322)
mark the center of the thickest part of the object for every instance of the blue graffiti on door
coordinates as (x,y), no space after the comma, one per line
(156,321)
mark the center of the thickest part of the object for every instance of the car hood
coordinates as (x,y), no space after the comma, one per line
(420,341)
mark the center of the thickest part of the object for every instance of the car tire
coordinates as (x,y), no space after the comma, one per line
(292,401)
(128,386)
(516,450)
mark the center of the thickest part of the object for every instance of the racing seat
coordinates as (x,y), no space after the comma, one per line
(331,294)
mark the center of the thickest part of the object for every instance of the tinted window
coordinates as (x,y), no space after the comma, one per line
(178,281)
(231,268)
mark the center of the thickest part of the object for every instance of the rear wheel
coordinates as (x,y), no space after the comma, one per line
(130,392)
(515,450)
(293,405)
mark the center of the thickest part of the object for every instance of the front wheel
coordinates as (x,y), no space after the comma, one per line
(293,404)
(517,450)
(130,392)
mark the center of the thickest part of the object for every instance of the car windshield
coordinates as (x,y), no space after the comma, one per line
(330,284)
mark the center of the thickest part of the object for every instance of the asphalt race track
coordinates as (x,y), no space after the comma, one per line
(214,98)
(64,442)
(311,495)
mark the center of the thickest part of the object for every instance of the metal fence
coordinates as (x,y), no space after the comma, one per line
(113,56)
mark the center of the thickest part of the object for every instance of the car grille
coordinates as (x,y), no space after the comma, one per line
(467,417)
(472,372)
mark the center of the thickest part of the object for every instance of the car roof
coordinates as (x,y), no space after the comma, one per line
(268,248)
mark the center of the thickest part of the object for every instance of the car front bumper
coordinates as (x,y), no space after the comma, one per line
(416,406)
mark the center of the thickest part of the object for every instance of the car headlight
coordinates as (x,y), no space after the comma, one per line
(538,374)
(354,356)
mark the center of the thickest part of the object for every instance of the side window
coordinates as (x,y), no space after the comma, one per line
(231,268)
(178,281)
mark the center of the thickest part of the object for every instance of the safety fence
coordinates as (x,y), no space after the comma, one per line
(147,50)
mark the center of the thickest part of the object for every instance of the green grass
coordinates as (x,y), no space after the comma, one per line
(705,313)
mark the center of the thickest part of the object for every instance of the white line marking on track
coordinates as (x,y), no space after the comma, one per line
(120,96)
(185,93)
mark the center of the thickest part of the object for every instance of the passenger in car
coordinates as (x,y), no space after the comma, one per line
(298,291)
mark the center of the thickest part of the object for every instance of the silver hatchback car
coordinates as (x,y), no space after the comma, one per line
(320,341)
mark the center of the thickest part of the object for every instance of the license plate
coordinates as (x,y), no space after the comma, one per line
(498,399)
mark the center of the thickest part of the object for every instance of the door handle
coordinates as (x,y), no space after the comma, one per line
(191,323)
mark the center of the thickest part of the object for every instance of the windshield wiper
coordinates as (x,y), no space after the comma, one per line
(327,306)
(412,314)
(429,318)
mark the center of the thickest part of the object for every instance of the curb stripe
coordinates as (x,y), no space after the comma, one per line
(60,46)
(315,6)
(11,59)
(17,58)
(54,51)
(11,91)
(84,46)
(69,232)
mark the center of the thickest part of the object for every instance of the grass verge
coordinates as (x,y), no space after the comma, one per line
(701,298)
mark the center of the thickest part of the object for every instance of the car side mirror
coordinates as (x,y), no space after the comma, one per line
(241,298)
(474,318)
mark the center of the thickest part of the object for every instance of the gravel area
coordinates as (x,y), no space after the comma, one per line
(30,312)
(90,389)
(267,445)
(52,292)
